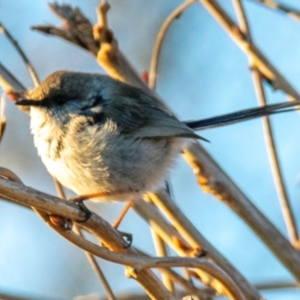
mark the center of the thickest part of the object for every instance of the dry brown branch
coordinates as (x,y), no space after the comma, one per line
(96,267)
(227,197)
(269,137)
(225,190)
(9,82)
(145,297)
(58,186)
(161,251)
(187,285)
(158,242)
(226,21)
(120,66)
(112,239)
(289,11)
(160,38)
(277,285)
(264,66)
(193,243)
(209,175)
(2,116)
(33,204)
(29,66)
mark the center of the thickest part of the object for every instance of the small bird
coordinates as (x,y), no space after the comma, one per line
(99,136)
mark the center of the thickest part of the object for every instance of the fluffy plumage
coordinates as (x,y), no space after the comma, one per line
(95,134)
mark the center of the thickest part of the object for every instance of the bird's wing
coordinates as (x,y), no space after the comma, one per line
(143,121)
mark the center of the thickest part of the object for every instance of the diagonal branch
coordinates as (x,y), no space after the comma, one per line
(289,11)
(137,266)
(160,38)
(269,138)
(259,60)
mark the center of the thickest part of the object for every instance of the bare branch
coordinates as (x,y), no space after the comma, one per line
(289,11)
(258,59)
(212,177)
(108,235)
(160,38)
(161,251)
(2,116)
(269,138)
(194,240)
(93,262)
(29,66)
(9,82)
(225,190)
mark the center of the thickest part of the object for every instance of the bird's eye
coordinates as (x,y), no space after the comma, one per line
(73,103)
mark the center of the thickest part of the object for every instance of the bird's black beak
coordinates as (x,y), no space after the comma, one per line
(26,102)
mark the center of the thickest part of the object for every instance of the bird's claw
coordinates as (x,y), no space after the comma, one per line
(83,208)
(127,238)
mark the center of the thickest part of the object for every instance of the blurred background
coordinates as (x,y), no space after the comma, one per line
(202,73)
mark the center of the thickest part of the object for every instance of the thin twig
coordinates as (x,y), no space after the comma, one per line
(161,251)
(92,260)
(171,236)
(277,285)
(2,116)
(58,186)
(29,66)
(158,242)
(259,60)
(96,267)
(17,192)
(9,82)
(123,213)
(287,10)
(186,284)
(286,209)
(206,169)
(102,10)
(160,38)
(59,189)
(226,191)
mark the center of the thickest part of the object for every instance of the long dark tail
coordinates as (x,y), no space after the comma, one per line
(243,115)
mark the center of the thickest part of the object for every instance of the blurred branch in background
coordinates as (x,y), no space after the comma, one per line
(269,136)
(172,227)
(10,82)
(289,11)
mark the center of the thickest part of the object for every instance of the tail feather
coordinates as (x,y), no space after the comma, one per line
(243,115)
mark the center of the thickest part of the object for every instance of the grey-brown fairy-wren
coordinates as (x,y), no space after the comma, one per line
(97,135)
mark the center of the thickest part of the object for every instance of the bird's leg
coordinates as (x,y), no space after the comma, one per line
(67,224)
(79,200)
